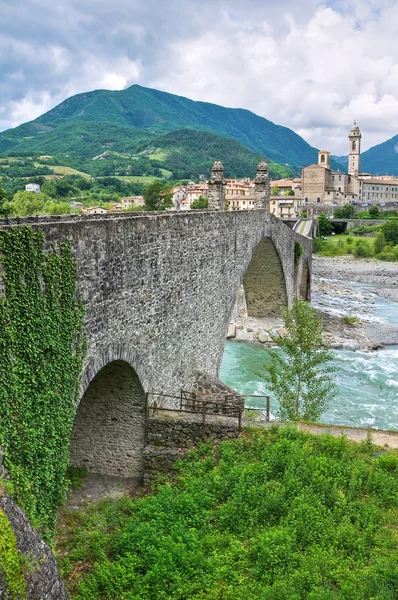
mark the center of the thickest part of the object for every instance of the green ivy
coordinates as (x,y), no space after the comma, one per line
(298,251)
(10,561)
(41,352)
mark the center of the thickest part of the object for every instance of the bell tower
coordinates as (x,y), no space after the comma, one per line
(354,150)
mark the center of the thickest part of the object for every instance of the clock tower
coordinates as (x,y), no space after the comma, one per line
(354,150)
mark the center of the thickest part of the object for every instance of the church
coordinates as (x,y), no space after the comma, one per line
(322,185)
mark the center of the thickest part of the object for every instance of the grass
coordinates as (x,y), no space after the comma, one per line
(276,514)
(138,178)
(61,170)
(157,156)
(342,245)
(350,320)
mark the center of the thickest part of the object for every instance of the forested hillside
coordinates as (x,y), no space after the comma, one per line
(381,159)
(123,117)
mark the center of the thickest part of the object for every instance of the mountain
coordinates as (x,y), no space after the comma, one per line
(381,159)
(151,112)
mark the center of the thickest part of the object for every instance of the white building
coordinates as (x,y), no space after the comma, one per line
(32,187)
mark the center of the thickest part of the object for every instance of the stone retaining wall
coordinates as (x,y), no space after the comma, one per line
(170,438)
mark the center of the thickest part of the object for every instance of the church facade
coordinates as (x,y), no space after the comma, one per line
(323,185)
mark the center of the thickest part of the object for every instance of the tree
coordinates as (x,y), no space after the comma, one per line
(290,193)
(299,375)
(275,191)
(158,196)
(380,242)
(390,230)
(345,212)
(201,202)
(324,225)
(374,212)
(3,201)
(27,204)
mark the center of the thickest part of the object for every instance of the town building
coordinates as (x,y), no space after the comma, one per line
(96,210)
(130,201)
(285,206)
(323,185)
(32,187)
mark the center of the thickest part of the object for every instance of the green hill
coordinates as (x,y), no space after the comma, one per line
(381,159)
(153,112)
(187,154)
(77,138)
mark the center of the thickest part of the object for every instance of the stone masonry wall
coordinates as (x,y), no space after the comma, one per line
(108,432)
(159,289)
(264,282)
(170,437)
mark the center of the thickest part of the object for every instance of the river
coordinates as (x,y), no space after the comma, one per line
(367,382)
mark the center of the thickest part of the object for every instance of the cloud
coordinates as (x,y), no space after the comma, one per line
(312,66)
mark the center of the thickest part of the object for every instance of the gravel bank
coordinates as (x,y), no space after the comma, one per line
(348,268)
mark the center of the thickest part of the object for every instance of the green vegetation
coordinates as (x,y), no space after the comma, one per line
(325,227)
(350,320)
(91,123)
(76,476)
(383,247)
(189,154)
(381,159)
(27,204)
(275,515)
(365,229)
(200,203)
(158,196)
(3,210)
(298,251)
(345,212)
(10,560)
(299,376)
(41,352)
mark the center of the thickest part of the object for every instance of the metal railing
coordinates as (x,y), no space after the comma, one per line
(201,403)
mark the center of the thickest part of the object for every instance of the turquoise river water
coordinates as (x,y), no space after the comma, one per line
(367,382)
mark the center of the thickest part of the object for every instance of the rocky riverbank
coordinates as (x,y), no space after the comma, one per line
(347,268)
(349,313)
(336,292)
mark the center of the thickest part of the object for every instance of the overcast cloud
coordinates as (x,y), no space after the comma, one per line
(309,65)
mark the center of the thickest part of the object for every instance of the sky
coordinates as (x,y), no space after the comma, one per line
(309,65)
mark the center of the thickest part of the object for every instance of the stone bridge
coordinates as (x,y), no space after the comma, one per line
(159,290)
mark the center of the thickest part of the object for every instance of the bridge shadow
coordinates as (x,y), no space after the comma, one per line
(108,431)
(264,282)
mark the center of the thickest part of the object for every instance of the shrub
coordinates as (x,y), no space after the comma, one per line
(277,514)
(380,243)
(363,250)
(350,320)
(390,230)
(388,254)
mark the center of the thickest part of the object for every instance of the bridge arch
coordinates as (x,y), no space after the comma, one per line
(264,281)
(109,426)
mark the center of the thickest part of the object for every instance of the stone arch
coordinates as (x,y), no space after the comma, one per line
(109,426)
(305,283)
(264,281)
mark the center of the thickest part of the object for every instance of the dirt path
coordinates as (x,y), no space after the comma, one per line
(356,434)
(97,487)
